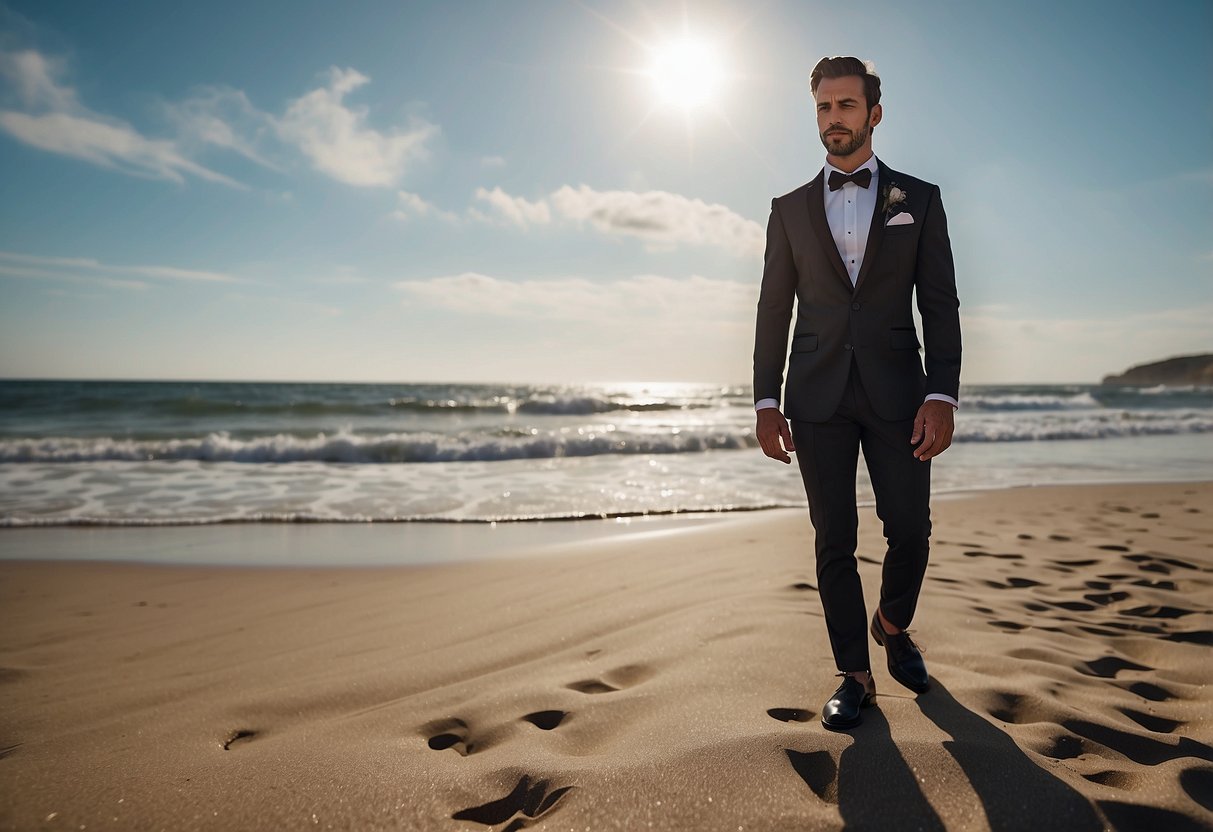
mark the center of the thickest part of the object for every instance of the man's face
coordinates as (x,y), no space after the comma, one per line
(842,115)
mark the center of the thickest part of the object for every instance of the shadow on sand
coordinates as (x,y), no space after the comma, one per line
(875,788)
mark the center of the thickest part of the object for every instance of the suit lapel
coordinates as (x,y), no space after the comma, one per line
(876,229)
(821,227)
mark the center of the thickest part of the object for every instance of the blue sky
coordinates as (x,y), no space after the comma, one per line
(493,191)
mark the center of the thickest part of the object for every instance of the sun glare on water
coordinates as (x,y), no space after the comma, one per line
(687,73)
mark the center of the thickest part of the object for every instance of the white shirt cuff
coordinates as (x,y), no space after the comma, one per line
(940,397)
(762,404)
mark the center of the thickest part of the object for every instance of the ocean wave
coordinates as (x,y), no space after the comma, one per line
(327,517)
(588,405)
(501,444)
(198,408)
(1109,424)
(1022,401)
(351,448)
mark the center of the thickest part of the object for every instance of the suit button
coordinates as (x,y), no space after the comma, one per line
(855,306)
(846,346)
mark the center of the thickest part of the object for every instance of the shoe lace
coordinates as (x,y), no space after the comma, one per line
(917,646)
(870,687)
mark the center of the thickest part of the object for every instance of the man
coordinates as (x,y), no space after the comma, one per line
(853,247)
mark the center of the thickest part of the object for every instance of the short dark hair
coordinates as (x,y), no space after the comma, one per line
(840,67)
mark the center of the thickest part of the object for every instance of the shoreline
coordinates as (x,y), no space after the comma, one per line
(672,679)
(304,545)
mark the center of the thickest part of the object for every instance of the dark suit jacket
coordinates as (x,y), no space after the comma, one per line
(873,322)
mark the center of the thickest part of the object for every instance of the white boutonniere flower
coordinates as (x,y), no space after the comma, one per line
(894,196)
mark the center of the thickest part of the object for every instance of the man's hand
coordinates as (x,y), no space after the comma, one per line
(771,428)
(933,426)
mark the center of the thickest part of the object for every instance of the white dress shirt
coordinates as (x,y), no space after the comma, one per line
(849,211)
(844,207)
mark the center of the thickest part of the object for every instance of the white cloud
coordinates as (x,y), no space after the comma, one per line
(32,75)
(338,142)
(85,270)
(660,218)
(60,124)
(410,205)
(334,137)
(513,209)
(34,273)
(225,118)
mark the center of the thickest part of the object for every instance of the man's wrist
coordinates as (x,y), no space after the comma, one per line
(941,397)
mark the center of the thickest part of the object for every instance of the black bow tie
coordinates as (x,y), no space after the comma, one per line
(861,177)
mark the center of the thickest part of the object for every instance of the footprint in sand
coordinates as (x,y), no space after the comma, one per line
(1146,582)
(1108,666)
(1151,722)
(613,680)
(1201,637)
(1009,625)
(1013,583)
(790,714)
(239,736)
(1064,747)
(1157,611)
(1074,606)
(1105,598)
(451,733)
(1114,778)
(547,720)
(1144,750)
(1153,692)
(1148,629)
(527,803)
(1000,556)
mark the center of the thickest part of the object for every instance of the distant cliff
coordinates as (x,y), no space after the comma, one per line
(1182,370)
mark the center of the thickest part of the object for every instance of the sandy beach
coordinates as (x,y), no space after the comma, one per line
(660,681)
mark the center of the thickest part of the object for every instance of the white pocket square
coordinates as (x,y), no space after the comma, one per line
(901,219)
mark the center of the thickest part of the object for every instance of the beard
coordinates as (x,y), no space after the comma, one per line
(846,144)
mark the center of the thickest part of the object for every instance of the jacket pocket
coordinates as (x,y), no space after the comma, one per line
(804,342)
(903,339)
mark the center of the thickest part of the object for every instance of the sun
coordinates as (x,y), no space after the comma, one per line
(687,73)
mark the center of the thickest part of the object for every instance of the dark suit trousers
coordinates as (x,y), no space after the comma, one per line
(828,453)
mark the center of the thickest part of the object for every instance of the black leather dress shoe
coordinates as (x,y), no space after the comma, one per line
(905,662)
(842,711)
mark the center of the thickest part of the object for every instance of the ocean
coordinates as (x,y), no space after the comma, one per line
(124,453)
